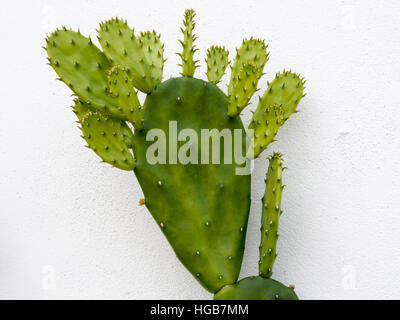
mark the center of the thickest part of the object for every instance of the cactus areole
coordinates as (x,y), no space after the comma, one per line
(186,144)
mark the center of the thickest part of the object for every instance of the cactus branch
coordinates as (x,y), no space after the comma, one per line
(271,211)
(128,103)
(188,64)
(217,62)
(121,45)
(244,85)
(104,136)
(154,51)
(254,52)
(284,92)
(82,67)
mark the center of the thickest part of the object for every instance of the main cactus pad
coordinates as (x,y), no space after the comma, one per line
(201,208)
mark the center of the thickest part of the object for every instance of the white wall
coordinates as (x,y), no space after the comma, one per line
(66,217)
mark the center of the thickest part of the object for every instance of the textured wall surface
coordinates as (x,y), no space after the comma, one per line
(71,227)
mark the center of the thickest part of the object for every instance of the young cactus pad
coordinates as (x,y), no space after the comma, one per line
(201,205)
(188,65)
(262,287)
(271,211)
(121,45)
(128,103)
(247,69)
(217,62)
(279,102)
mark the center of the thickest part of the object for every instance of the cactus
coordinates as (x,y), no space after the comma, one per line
(285,92)
(103,135)
(200,205)
(243,86)
(262,287)
(154,52)
(122,46)
(252,52)
(122,90)
(188,65)
(217,62)
(271,211)
(82,67)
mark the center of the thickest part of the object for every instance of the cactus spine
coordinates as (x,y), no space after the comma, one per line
(202,209)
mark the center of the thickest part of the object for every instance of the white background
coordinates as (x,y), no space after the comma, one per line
(71,227)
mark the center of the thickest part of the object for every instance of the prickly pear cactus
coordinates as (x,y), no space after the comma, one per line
(201,205)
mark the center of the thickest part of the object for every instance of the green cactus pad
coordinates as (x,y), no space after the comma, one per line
(83,67)
(154,52)
(256,288)
(251,51)
(271,211)
(122,89)
(120,44)
(286,91)
(201,208)
(124,132)
(265,129)
(217,62)
(242,87)
(104,136)
(188,64)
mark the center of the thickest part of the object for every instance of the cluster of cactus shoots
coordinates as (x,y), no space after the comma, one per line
(201,209)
